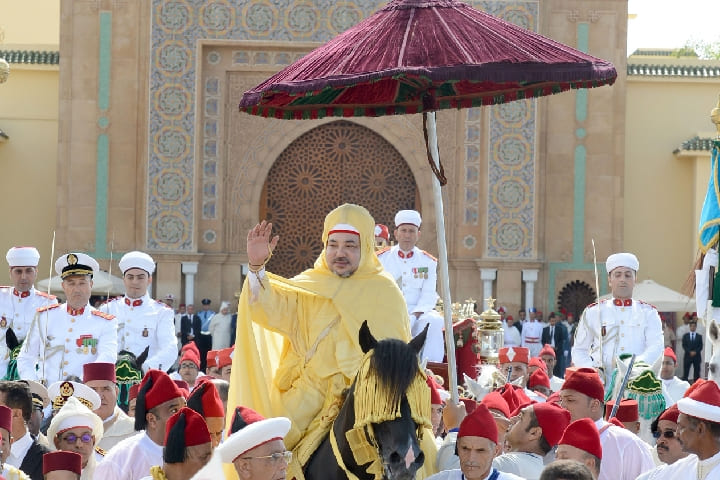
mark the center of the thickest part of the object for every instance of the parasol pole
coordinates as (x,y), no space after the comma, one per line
(443,259)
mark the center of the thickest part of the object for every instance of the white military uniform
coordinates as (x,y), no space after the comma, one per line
(17,311)
(144,322)
(531,336)
(625,326)
(61,341)
(416,274)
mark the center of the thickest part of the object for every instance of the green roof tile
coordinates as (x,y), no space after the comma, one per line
(688,71)
(696,144)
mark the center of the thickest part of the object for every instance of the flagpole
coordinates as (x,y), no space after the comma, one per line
(708,347)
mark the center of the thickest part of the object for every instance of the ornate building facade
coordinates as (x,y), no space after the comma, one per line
(148,116)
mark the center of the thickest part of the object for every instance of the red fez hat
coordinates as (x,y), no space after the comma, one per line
(185,428)
(133,391)
(480,423)
(548,350)
(190,346)
(189,355)
(99,371)
(586,381)
(539,377)
(223,358)
(434,394)
(514,354)
(470,404)
(156,387)
(211,359)
(670,414)
(62,460)
(495,401)
(537,362)
(501,310)
(703,402)
(583,434)
(626,412)
(514,396)
(184,388)
(553,420)
(6,418)
(382,231)
(242,417)
(509,317)
(669,353)
(553,398)
(205,400)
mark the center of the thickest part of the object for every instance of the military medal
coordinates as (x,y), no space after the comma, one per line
(3,322)
(603,331)
(145,332)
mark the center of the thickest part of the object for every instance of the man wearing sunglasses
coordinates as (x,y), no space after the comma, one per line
(668,447)
(75,428)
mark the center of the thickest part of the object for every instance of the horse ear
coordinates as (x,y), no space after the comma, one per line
(140,359)
(714,331)
(621,366)
(367,341)
(418,342)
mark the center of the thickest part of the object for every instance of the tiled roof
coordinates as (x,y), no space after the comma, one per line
(696,144)
(30,57)
(689,71)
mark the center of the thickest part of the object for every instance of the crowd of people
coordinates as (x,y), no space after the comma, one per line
(189,402)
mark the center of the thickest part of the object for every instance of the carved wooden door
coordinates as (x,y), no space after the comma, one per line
(336,163)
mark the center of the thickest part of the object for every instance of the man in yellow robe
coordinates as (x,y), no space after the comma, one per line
(317,315)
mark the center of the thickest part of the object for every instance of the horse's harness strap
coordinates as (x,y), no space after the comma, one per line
(338,457)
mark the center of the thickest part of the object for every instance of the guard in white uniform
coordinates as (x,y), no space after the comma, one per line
(64,337)
(618,325)
(142,321)
(532,334)
(19,302)
(415,272)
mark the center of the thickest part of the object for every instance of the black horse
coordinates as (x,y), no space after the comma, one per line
(389,449)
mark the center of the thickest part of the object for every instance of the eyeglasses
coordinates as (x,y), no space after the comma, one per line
(72,438)
(274,457)
(666,434)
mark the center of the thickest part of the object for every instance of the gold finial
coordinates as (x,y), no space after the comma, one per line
(490,302)
(715,117)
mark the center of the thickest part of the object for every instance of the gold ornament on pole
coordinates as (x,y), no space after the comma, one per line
(491,335)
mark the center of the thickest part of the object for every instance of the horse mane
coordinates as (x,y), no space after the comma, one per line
(395,365)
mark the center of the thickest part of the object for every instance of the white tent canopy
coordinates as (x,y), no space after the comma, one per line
(663,298)
(102,283)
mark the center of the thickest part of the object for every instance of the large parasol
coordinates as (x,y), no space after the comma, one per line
(418,56)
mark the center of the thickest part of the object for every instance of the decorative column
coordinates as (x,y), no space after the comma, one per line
(487,275)
(530,277)
(189,269)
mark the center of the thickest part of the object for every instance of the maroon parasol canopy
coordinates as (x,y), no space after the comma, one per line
(418,55)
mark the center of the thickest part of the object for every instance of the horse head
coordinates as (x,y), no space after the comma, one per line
(393,372)
(376,434)
(128,371)
(645,386)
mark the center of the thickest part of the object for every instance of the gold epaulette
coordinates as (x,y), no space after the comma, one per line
(104,315)
(382,250)
(646,303)
(162,303)
(427,254)
(45,294)
(100,451)
(48,307)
